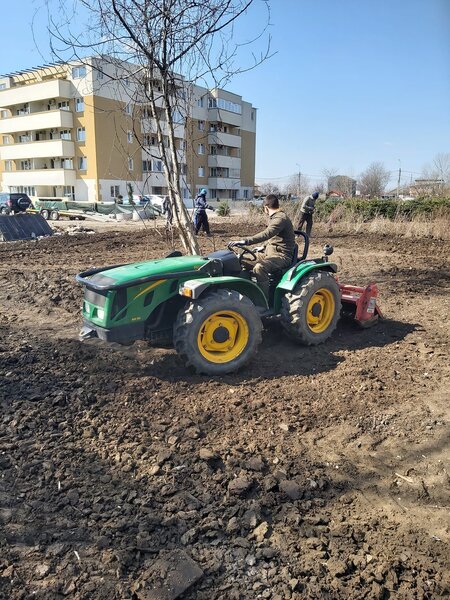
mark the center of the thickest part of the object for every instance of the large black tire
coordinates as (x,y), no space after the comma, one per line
(54,215)
(201,330)
(310,314)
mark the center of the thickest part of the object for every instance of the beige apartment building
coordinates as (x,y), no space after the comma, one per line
(83,131)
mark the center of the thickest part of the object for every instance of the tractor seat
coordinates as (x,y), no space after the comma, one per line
(229,260)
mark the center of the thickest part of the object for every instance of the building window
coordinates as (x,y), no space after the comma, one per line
(245,194)
(200,102)
(69,192)
(225,105)
(64,105)
(8,165)
(130,164)
(149,140)
(5,139)
(25,165)
(130,137)
(65,134)
(126,82)
(99,74)
(157,166)
(81,134)
(4,114)
(114,191)
(128,109)
(2,86)
(253,115)
(177,117)
(78,72)
(201,171)
(66,163)
(79,104)
(183,168)
(23,139)
(201,125)
(23,189)
(146,166)
(82,163)
(201,148)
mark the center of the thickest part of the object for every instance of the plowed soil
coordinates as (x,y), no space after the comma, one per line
(312,473)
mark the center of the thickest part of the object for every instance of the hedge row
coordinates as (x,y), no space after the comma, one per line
(390,209)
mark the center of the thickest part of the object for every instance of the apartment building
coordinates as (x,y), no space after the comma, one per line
(84,131)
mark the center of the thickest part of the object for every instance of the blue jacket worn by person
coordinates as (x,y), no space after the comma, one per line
(200,216)
(200,203)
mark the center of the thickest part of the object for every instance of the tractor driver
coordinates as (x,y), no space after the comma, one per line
(279,250)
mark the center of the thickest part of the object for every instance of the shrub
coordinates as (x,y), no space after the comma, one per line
(366,210)
(223,210)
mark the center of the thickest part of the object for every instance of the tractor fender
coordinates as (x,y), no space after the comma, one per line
(196,288)
(292,277)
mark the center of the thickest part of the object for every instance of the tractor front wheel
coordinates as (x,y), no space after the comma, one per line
(310,314)
(219,333)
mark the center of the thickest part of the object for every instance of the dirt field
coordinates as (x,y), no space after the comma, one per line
(313,473)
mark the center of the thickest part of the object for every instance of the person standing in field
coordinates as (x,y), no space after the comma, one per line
(306,212)
(200,216)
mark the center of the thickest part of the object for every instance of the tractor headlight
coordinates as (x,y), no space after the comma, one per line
(100,313)
(193,289)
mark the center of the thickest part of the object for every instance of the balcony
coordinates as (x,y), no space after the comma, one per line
(49,119)
(230,162)
(51,177)
(224,183)
(218,138)
(224,116)
(149,126)
(45,149)
(43,90)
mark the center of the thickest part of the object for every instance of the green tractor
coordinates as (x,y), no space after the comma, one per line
(211,309)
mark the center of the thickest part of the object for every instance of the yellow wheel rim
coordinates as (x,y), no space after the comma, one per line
(223,336)
(320,311)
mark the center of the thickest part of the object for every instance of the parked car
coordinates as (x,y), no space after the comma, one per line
(155,200)
(257,201)
(12,202)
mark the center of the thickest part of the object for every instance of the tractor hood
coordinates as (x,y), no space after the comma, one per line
(136,273)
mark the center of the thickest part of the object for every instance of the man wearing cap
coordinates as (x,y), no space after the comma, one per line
(277,254)
(306,212)
(200,216)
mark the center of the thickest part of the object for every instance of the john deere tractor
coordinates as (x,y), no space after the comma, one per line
(208,307)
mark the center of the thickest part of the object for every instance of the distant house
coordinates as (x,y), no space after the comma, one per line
(342,185)
(426,187)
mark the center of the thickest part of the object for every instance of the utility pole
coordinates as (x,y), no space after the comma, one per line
(399,176)
(299,181)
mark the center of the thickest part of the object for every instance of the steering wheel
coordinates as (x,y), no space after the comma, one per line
(241,251)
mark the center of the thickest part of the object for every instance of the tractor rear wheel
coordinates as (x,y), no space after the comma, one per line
(310,314)
(219,333)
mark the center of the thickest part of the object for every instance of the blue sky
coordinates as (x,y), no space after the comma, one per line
(352,82)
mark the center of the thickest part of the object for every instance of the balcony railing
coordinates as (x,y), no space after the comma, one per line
(44,149)
(52,177)
(33,92)
(230,162)
(40,121)
(224,139)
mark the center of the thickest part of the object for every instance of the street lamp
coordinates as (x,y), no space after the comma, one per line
(299,180)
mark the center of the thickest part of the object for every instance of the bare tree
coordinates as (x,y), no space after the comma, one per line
(319,188)
(269,188)
(435,179)
(162,47)
(373,180)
